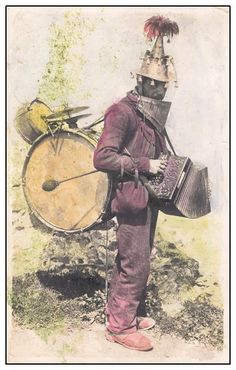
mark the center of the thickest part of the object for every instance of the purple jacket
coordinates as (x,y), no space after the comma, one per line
(124,128)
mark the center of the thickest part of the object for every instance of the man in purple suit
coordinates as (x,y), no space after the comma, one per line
(129,147)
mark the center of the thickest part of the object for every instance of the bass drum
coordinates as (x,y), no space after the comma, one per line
(77,204)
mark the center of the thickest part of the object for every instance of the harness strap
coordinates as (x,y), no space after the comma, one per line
(169,142)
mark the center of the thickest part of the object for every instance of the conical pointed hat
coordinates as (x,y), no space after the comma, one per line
(156,64)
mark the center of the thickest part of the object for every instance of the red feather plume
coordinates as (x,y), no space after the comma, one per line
(160,26)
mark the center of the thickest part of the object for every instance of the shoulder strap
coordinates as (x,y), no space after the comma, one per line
(163,133)
(168,140)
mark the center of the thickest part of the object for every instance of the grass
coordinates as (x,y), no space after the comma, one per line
(199,239)
(28,250)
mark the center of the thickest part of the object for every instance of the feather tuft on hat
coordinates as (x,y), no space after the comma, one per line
(160,26)
(156,64)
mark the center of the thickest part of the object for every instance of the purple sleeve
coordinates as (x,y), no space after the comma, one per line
(107,156)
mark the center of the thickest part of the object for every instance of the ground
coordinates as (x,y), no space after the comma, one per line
(90,346)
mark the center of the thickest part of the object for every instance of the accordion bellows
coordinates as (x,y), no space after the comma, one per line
(182,190)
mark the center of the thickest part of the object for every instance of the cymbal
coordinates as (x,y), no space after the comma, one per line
(66,114)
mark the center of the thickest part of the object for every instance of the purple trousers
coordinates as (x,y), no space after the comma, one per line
(126,296)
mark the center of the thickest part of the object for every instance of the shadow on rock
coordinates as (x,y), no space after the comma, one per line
(46,301)
(71,285)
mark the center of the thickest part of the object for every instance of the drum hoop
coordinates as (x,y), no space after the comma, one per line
(79,133)
(35,129)
(23,136)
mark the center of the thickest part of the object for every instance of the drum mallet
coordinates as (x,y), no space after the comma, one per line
(50,185)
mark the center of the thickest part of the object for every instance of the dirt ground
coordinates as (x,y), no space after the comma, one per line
(90,346)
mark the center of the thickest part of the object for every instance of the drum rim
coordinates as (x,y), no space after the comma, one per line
(29,141)
(85,136)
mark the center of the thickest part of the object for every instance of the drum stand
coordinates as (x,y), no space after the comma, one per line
(106,270)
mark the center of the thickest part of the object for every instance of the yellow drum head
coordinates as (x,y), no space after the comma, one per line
(73,205)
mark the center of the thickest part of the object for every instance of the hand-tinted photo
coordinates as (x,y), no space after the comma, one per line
(118,185)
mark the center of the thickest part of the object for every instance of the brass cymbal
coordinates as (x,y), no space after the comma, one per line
(66,114)
(72,121)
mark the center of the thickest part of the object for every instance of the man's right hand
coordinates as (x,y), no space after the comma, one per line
(157,165)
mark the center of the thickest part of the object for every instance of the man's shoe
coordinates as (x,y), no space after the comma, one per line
(145,323)
(136,341)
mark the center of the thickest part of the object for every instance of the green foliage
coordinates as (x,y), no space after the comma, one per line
(201,240)
(65,43)
(170,298)
(28,252)
(173,271)
(38,307)
(199,320)
(34,307)
(49,303)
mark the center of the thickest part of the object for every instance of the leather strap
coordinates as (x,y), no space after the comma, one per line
(169,142)
(136,173)
(136,178)
(122,168)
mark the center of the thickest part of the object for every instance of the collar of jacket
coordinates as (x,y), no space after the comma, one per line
(155,111)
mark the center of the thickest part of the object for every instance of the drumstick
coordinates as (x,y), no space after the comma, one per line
(50,185)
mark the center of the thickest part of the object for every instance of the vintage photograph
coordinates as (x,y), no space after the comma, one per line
(118,184)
